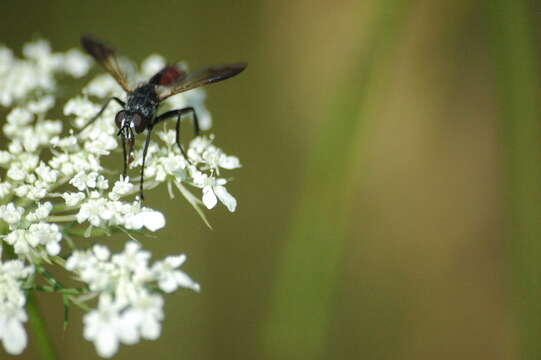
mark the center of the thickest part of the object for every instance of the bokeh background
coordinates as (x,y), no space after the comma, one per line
(389,200)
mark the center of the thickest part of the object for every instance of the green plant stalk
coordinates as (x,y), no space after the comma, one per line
(301,303)
(43,341)
(519,85)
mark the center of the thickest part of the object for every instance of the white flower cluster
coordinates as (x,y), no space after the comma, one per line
(127,310)
(20,77)
(12,301)
(55,188)
(165,163)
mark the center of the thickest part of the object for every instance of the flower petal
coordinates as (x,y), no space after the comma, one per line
(209,199)
(226,198)
(153,220)
(106,343)
(14,339)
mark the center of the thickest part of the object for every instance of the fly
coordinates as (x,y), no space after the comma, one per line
(140,111)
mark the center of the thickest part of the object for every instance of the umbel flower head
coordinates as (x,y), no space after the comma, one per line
(56,191)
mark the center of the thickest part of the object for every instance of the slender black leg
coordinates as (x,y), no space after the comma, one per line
(195,121)
(120,102)
(145,149)
(178,113)
(125,171)
(177,136)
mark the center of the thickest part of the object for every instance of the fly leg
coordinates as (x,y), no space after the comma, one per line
(145,149)
(125,171)
(120,102)
(178,114)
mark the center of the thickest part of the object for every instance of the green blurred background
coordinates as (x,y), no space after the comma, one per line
(389,200)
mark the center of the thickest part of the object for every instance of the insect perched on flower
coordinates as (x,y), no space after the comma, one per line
(57,194)
(140,110)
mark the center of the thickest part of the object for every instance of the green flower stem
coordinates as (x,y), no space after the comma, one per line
(78,303)
(58,260)
(83,233)
(61,218)
(63,291)
(43,341)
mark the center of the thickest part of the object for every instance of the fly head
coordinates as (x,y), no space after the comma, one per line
(129,124)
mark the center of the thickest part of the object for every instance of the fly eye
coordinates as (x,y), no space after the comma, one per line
(119,118)
(138,122)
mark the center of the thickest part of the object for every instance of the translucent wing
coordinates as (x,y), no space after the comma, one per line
(169,75)
(184,82)
(106,57)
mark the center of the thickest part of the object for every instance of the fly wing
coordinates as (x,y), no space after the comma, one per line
(106,57)
(199,78)
(169,75)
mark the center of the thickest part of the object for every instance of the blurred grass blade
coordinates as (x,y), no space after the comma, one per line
(42,340)
(517,70)
(301,302)
(65,302)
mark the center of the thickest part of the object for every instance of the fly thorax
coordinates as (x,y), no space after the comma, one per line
(144,101)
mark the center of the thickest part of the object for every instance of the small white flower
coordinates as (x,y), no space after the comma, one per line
(169,278)
(48,235)
(214,190)
(11,328)
(41,212)
(101,145)
(38,191)
(150,219)
(121,188)
(22,190)
(102,183)
(82,180)
(209,198)
(26,241)
(68,143)
(37,50)
(16,172)
(102,326)
(28,161)
(201,150)
(133,257)
(5,189)
(6,59)
(101,252)
(76,63)
(17,118)
(147,313)
(12,300)
(46,173)
(21,242)
(168,137)
(70,164)
(5,157)
(81,107)
(95,211)
(10,213)
(102,86)
(41,105)
(73,199)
